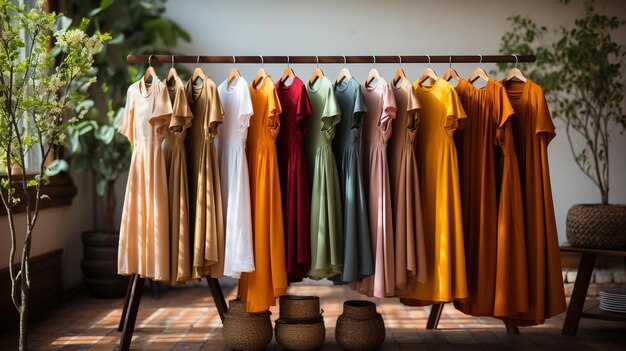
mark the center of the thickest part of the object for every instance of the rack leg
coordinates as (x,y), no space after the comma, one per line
(133,308)
(435,315)
(577,301)
(125,309)
(511,327)
(218,296)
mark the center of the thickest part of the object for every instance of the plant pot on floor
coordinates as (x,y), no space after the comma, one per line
(596,226)
(100,265)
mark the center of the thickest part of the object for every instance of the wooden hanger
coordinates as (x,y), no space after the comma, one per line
(515,73)
(172,74)
(451,73)
(373,74)
(399,73)
(260,74)
(288,73)
(198,75)
(344,73)
(233,74)
(150,72)
(317,73)
(428,73)
(479,73)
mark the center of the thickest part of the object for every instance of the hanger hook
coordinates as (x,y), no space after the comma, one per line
(344,61)
(262,61)
(516,60)
(374,57)
(400,60)
(317,62)
(428,60)
(150,60)
(288,62)
(450,61)
(198,59)
(481,59)
(234,61)
(172,61)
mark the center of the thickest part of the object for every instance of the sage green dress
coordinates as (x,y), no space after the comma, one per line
(326,217)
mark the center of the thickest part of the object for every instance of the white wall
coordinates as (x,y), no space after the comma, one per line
(357,27)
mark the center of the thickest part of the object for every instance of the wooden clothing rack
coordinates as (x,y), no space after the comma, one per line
(135,286)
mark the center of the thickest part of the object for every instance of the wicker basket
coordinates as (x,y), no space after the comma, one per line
(299,307)
(300,335)
(360,327)
(597,226)
(246,331)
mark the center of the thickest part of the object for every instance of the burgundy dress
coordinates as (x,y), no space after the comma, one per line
(293,177)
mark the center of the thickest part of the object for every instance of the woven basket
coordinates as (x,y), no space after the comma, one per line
(597,226)
(360,327)
(300,335)
(246,331)
(299,307)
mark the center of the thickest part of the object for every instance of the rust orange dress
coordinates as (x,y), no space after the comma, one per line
(260,288)
(533,130)
(493,224)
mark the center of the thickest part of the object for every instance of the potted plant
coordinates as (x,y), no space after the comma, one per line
(137,27)
(42,79)
(581,73)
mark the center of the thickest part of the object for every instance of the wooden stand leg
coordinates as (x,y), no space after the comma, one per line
(125,309)
(218,296)
(577,301)
(133,308)
(435,315)
(156,294)
(511,327)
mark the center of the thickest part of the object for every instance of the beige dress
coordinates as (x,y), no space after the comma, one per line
(204,179)
(176,168)
(144,232)
(406,201)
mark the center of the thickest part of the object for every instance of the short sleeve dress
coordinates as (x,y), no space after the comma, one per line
(178,191)
(204,179)
(381,110)
(492,208)
(406,200)
(260,288)
(235,182)
(294,180)
(326,227)
(144,246)
(357,259)
(533,129)
(441,197)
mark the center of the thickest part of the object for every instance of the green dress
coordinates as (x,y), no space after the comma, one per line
(326,217)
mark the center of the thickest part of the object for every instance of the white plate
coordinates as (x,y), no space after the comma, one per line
(612,309)
(610,298)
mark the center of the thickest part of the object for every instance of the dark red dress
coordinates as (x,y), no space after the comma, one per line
(293,177)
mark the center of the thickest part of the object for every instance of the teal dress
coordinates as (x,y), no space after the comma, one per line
(357,261)
(326,218)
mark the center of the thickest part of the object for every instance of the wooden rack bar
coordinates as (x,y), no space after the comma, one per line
(332,59)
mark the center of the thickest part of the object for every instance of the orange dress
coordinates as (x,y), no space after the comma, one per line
(493,224)
(533,130)
(260,288)
(441,198)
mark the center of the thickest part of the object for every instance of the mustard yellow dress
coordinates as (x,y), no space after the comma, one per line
(441,200)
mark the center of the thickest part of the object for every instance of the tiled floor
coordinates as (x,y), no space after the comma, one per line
(185,319)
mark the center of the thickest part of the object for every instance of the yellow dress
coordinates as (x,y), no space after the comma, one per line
(441,200)
(260,288)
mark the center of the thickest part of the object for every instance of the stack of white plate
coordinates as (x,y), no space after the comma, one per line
(613,300)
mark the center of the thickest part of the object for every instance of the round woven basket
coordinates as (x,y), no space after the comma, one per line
(597,226)
(299,307)
(300,335)
(360,327)
(246,331)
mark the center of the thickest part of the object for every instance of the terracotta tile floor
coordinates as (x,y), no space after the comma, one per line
(185,319)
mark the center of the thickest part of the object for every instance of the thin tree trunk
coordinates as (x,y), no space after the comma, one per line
(23,342)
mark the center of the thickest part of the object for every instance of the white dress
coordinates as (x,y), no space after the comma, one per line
(231,155)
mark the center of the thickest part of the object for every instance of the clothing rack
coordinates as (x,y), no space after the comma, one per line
(135,287)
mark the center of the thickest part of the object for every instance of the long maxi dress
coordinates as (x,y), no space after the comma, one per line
(144,232)
(178,189)
(293,176)
(204,179)
(235,182)
(260,288)
(326,216)
(533,129)
(406,200)
(357,260)
(441,198)
(377,124)
(492,208)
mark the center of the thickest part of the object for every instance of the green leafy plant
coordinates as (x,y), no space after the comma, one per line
(42,79)
(136,27)
(581,74)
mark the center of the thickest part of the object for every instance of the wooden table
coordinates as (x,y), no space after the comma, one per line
(585,269)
